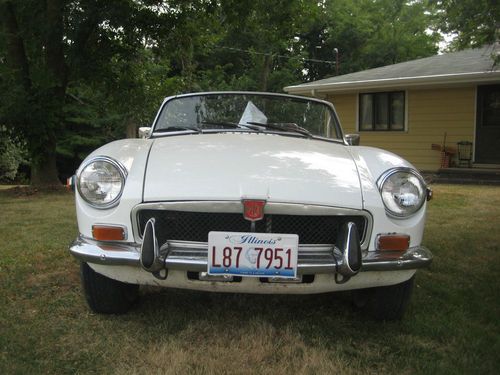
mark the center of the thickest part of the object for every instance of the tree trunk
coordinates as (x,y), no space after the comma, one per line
(16,53)
(131,129)
(55,48)
(39,128)
(43,159)
(44,172)
(43,166)
(266,70)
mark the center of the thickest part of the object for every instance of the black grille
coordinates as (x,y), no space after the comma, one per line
(194,226)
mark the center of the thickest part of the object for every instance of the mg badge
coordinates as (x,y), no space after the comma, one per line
(253,210)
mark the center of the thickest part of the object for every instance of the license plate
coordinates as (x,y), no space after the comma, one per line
(253,254)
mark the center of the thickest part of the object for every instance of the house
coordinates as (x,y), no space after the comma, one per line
(420,108)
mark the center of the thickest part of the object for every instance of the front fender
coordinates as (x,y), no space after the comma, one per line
(372,163)
(133,155)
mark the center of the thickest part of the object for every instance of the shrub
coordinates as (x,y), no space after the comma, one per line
(11,157)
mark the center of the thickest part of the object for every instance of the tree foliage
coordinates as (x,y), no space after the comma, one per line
(75,74)
(367,34)
(51,48)
(11,156)
(474,22)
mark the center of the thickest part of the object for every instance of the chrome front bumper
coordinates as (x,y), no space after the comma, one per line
(192,256)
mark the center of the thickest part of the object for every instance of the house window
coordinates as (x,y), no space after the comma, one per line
(382,111)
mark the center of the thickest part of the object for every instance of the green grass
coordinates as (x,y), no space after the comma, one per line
(452,326)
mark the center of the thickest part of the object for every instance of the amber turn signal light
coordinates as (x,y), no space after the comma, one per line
(108,233)
(70,183)
(393,242)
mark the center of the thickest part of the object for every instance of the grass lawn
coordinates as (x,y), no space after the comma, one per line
(452,326)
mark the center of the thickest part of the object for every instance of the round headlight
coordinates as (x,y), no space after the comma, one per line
(100,182)
(403,191)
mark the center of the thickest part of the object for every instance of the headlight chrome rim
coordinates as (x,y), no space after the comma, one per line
(123,176)
(388,174)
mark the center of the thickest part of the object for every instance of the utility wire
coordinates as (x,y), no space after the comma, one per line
(280,56)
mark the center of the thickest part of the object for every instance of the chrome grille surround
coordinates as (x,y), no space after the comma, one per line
(272,208)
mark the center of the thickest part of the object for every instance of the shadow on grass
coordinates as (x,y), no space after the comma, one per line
(328,316)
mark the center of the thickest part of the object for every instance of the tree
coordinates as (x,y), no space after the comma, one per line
(51,46)
(399,32)
(475,22)
(37,93)
(77,73)
(367,34)
(239,45)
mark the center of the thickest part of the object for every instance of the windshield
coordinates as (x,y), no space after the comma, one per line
(233,110)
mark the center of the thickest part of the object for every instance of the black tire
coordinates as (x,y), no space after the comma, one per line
(105,295)
(385,303)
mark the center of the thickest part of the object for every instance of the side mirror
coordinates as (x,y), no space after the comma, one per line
(144,132)
(352,139)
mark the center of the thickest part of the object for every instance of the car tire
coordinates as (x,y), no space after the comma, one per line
(105,295)
(385,303)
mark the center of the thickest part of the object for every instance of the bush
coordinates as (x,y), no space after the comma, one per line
(11,157)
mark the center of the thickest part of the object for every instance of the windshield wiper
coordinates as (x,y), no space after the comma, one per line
(257,126)
(225,124)
(283,126)
(178,128)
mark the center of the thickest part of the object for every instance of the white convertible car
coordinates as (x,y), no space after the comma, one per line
(253,193)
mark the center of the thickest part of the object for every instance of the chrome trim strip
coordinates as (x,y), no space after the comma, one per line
(313,259)
(413,258)
(111,253)
(272,208)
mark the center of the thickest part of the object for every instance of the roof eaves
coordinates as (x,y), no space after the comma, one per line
(431,80)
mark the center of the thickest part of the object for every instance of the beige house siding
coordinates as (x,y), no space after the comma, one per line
(430,113)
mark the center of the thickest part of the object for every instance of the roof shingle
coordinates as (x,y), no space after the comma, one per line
(478,60)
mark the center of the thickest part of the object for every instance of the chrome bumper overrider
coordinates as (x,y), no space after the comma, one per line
(192,256)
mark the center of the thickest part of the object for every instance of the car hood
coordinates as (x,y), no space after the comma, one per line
(235,166)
